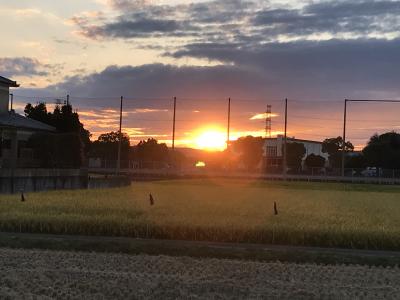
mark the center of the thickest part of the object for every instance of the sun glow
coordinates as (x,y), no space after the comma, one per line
(211,139)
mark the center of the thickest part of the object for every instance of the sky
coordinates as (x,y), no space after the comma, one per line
(315,53)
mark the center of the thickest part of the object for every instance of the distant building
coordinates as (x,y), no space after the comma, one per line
(15,131)
(273,150)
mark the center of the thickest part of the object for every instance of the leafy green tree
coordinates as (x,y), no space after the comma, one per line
(250,149)
(295,154)
(315,161)
(38,113)
(65,120)
(383,151)
(150,151)
(333,146)
(106,146)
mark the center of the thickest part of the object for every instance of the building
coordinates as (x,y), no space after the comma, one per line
(15,131)
(273,151)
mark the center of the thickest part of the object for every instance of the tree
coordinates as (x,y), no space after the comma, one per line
(38,112)
(315,161)
(356,161)
(250,149)
(56,150)
(150,151)
(295,154)
(106,146)
(383,151)
(333,146)
(65,121)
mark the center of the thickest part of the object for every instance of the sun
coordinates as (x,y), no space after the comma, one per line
(211,139)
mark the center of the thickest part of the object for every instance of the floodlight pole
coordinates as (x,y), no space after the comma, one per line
(173,126)
(119,137)
(229,124)
(344,136)
(285,143)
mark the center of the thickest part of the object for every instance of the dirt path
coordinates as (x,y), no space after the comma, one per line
(50,274)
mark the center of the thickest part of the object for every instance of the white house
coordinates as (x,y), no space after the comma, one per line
(15,131)
(273,150)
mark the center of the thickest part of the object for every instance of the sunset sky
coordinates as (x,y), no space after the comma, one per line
(315,53)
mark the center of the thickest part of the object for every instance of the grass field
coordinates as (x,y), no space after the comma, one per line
(313,214)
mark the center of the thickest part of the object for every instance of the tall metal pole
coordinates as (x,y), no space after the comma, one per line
(120,137)
(344,136)
(173,126)
(285,143)
(229,123)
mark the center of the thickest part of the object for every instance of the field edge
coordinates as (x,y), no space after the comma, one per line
(255,252)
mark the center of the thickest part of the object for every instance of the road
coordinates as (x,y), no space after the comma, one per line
(77,275)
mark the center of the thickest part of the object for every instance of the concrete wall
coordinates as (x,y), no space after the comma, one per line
(32,180)
(106,182)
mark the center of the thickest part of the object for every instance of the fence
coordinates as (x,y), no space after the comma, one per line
(190,170)
(148,117)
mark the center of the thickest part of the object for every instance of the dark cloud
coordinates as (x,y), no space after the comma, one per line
(342,9)
(24,66)
(163,81)
(185,20)
(338,66)
(356,17)
(236,20)
(126,28)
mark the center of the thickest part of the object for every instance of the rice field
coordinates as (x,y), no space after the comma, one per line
(35,274)
(310,214)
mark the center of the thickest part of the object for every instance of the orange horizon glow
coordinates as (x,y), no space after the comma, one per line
(210,139)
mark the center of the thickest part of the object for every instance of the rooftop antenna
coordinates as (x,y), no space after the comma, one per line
(268,122)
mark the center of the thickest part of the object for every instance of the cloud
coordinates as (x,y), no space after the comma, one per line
(127,4)
(332,18)
(25,66)
(142,19)
(308,68)
(262,116)
(243,21)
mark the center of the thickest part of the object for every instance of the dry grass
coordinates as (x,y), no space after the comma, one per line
(32,274)
(334,215)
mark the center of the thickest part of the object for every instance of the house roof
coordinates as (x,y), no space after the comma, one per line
(11,119)
(8,82)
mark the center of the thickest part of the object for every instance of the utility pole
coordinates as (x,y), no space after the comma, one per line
(344,137)
(229,124)
(173,126)
(285,143)
(120,137)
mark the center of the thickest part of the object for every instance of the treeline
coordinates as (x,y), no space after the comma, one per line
(105,148)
